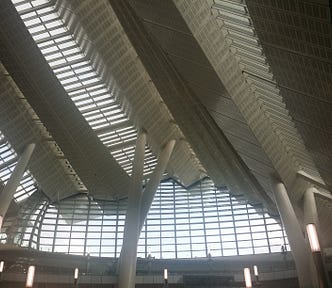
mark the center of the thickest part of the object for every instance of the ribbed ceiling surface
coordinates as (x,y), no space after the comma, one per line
(124,73)
(271,124)
(21,126)
(297,40)
(165,23)
(106,114)
(219,158)
(262,72)
(100,173)
(324,207)
(114,100)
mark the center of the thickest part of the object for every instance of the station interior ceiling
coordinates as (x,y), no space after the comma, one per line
(244,87)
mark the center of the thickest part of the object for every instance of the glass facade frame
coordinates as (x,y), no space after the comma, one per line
(200,221)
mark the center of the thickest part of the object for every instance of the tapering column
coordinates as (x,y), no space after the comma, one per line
(154,181)
(312,228)
(295,235)
(309,207)
(127,269)
(9,190)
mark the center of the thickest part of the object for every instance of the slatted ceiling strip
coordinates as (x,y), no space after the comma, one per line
(111,144)
(28,124)
(117,136)
(132,81)
(272,111)
(94,105)
(38,29)
(100,99)
(107,139)
(76,79)
(251,72)
(67,71)
(263,88)
(124,139)
(253,40)
(50,50)
(61,40)
(230,7)
(239,28)
(271,104)
(245,54)
(262,69)
(269,97)
(257,66)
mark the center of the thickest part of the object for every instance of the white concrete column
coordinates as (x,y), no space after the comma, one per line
(9,190)
(309,207)
(154,181)
(127,269)
(295,236)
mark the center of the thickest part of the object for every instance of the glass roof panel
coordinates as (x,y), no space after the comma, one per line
(82,82)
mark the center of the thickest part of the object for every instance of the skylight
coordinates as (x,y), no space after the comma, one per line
(83,84)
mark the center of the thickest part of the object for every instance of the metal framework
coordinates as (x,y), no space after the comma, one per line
(182,223)
(81,75)
(234,19)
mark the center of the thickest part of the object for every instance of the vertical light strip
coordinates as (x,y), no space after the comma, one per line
(2,263)
(165,274)
(30,277)
(313,237)
(247,277)
(255,270)
(76,274)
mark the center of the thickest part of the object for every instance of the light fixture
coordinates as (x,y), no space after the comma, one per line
(1,266)
(256,273)
(317,255)
(247,277)
(165,274)
(76,273)
(75,276)
(1,218)
(30,276)
(313,237)
(165,278)
(255,270)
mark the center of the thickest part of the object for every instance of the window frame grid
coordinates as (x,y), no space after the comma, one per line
(179,233)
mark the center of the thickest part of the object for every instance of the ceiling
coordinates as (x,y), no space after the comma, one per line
(244,88)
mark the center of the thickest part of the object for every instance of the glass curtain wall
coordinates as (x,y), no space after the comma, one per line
(182,223)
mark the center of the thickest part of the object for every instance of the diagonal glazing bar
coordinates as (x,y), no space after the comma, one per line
(8,161)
